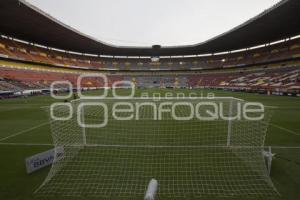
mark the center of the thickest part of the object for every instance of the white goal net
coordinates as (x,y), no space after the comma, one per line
(190,157)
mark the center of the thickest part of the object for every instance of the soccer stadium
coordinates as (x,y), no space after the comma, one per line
(81,118)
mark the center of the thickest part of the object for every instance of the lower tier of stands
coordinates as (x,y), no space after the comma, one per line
(277,80)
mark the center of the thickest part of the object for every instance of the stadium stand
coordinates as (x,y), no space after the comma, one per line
(225,160)
(279,80)
(289,50)
(266,62)
(275,80)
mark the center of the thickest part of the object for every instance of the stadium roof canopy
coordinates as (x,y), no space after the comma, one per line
(21,20)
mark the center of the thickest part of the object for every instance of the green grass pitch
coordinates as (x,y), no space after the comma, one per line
(24,131)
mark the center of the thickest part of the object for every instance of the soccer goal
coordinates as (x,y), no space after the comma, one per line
(193,148)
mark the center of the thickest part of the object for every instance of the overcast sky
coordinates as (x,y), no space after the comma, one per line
(148,22)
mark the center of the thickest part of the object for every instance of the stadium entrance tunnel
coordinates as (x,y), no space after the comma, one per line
(189,159)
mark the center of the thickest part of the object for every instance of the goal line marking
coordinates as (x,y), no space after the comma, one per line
(24,131)
(24,144)
(146,146)
(285,129)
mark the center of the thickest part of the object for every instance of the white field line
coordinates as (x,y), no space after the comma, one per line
(24,144)
(24,131)
(283,147)
(161,98)
(274,107)
(147,146)
(285,129)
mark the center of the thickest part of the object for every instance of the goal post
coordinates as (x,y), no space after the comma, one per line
(230,107)
(193,147)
